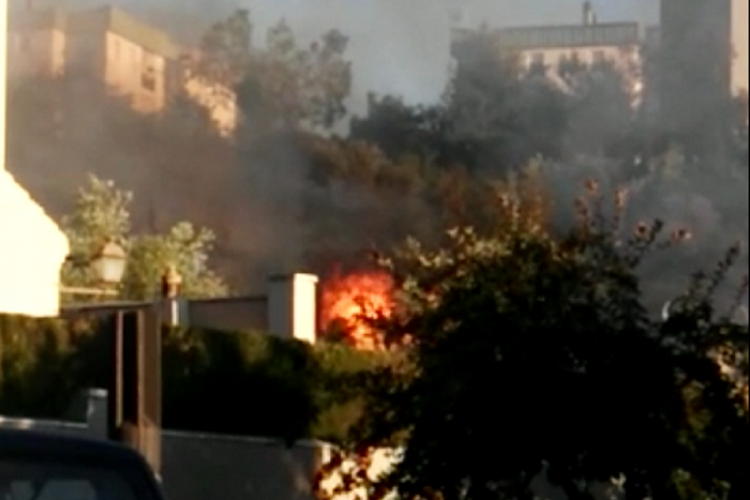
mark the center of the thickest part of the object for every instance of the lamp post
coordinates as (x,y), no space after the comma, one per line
(135,389)
(109,265)
(171,284)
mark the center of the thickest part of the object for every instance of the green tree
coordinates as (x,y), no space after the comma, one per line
(505,115)
(304,85)
(529,352)
(603,104)
(282,84)
(496,116)
(102,213)
(160,156)
(400,130)
(226,50)
(359,198)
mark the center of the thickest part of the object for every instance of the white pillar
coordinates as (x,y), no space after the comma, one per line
(292,306)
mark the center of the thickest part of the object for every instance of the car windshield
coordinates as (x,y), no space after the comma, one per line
(63,480)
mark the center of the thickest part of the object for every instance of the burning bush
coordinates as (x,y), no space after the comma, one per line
(350,301)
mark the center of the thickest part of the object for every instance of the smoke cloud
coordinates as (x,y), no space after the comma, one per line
(399,48)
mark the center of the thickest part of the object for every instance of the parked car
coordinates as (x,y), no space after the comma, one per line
(38,466)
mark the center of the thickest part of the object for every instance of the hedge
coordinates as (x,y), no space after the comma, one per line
(222,382)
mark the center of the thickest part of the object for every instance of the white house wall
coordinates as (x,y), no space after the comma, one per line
(33,248)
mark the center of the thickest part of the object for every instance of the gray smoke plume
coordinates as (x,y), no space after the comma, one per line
(399,48)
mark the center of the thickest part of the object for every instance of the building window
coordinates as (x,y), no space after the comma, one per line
(537,59)
(148,79)
(599,57)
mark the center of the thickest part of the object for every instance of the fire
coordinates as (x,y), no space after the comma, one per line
(347,301)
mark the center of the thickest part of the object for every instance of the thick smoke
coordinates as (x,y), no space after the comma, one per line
(397,47)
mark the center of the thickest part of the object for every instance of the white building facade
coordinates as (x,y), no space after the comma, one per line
(33,247)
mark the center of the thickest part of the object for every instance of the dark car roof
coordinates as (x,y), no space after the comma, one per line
(34,445)
(57,446)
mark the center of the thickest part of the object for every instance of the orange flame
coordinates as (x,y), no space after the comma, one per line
(347,301)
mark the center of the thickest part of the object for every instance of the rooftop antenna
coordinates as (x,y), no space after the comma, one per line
(589,16)
(644,15)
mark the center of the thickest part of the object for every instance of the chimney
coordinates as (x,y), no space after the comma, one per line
(292,306)
(589,16)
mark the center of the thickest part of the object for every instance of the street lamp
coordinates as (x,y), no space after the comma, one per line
(109,265)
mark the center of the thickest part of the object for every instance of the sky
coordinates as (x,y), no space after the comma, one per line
(401,46)
(397,47)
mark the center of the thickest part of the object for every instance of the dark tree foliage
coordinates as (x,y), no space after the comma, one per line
(497,115)
(530,353)
(401,130)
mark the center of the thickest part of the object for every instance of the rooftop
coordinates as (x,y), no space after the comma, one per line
(567,36)
(38,19)
(104,18)
(27,442)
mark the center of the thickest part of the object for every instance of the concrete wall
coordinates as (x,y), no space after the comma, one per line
(33,248)
(231,314)
(206,467)
(288,309)
(199,466)
(292,306)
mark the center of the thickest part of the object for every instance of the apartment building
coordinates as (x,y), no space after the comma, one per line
(704,48)
(589,42)
(131,57)
(36,43)
(741,46)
